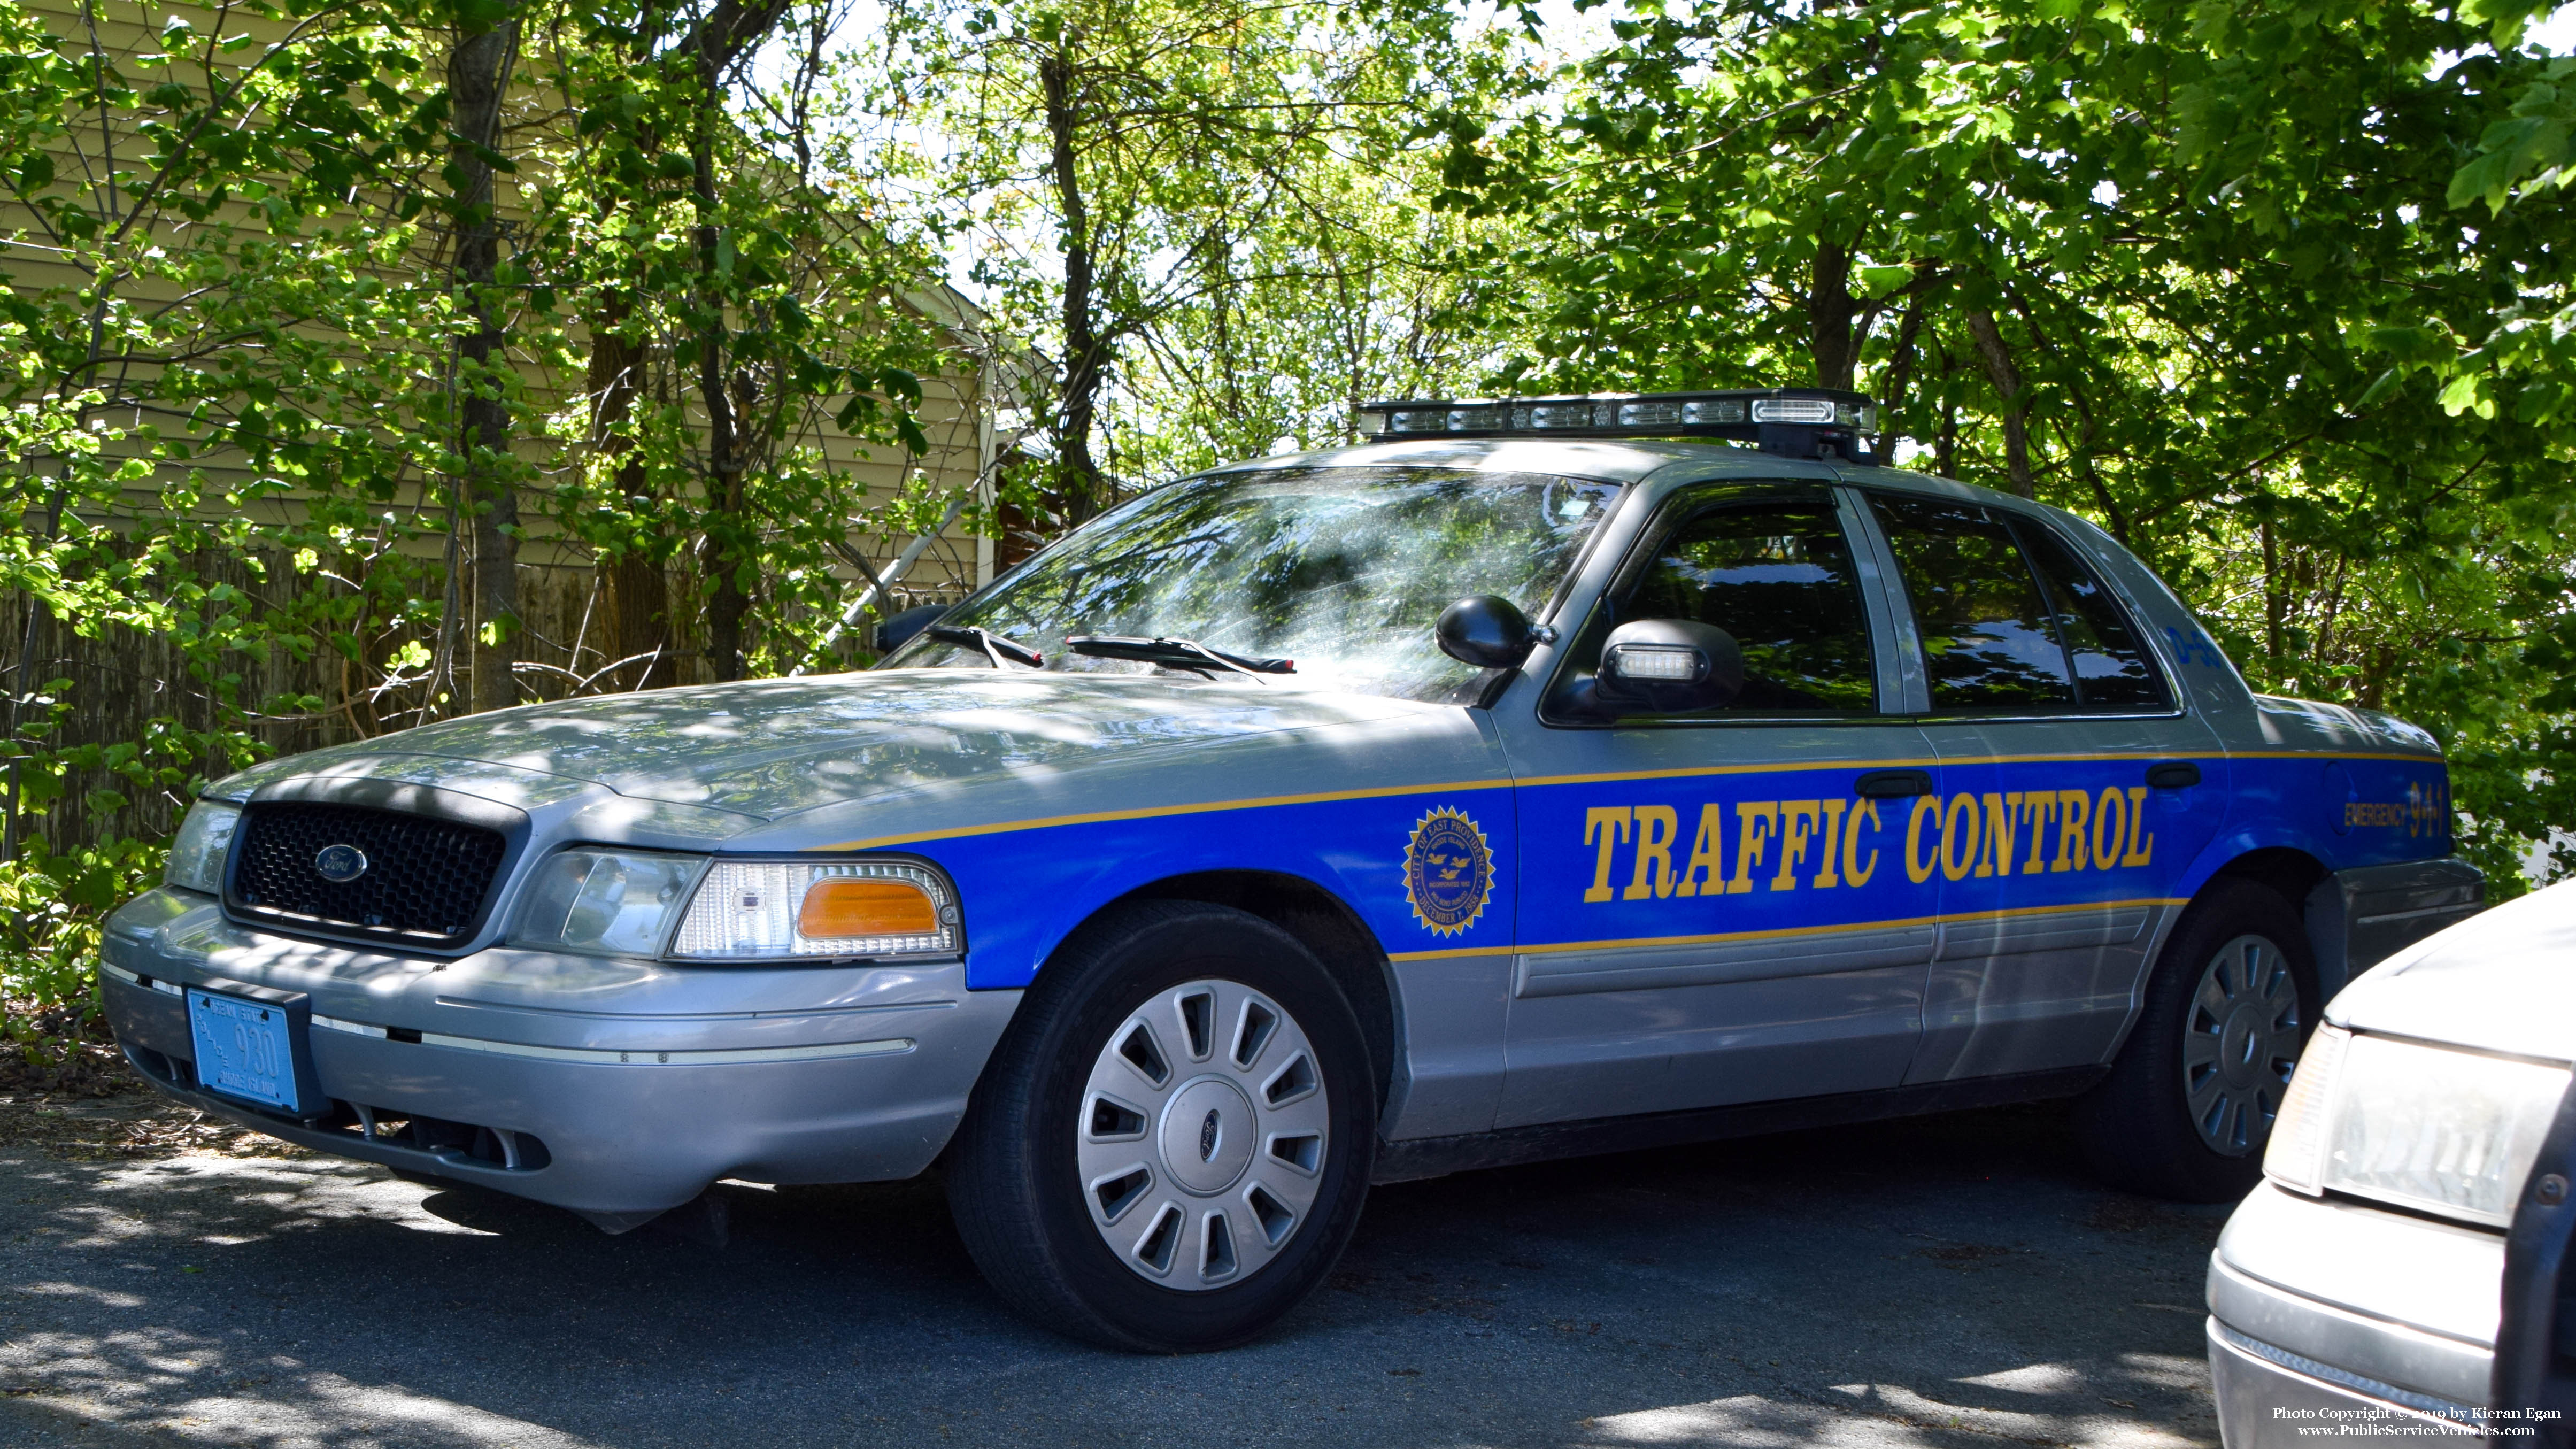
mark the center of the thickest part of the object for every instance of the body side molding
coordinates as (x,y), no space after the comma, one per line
(1425,1157)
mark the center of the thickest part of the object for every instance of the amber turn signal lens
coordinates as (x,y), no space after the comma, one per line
(866,908)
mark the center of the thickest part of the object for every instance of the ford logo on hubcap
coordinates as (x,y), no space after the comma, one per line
(340,864)
(1207,1138)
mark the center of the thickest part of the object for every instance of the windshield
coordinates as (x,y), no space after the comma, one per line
(1343,570)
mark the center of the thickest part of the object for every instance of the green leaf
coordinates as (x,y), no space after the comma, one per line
(2465,392)
(1878,281)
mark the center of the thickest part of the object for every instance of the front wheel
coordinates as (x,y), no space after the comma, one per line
(2189,1104)
(1170,1148)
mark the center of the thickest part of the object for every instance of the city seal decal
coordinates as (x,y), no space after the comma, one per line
(1448,871)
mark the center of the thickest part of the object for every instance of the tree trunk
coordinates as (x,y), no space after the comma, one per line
(723,38)
(728,603)
(638,597)
(1900,375)
(2016,399)
(477,78)
(1829,317)
(2079,447)
(2276,597)
(1084,352)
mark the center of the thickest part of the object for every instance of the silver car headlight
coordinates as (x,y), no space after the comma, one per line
(605,902)
(2438,1129)
(749,909)
(205,838)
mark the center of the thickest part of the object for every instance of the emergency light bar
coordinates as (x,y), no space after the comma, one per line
(1799,422)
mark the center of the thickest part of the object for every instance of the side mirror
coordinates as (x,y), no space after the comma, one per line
(1669,666)
(1485,631)
(896,630)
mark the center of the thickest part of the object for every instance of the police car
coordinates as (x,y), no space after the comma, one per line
(1543,776)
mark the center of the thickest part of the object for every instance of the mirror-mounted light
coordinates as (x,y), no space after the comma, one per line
(1657,664)
(1669,666)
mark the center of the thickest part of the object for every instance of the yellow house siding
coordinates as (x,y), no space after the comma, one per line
(126,32)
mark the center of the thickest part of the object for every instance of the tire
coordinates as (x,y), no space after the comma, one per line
(2188,1107)
(1254,1167)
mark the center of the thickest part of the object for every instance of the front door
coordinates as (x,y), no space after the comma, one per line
(1713,910)
(2063,821)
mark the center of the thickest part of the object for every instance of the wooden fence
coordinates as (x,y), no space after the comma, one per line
(123,685)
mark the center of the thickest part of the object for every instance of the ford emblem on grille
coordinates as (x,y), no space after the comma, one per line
(340,864)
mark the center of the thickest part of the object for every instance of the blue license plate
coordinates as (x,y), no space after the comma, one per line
(243,1049)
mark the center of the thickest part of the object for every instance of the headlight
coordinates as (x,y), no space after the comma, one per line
(754,908)
(197,856)
(2448,1132)
(605,902)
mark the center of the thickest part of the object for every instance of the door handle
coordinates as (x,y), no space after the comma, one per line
(2173,775)
(1893,784)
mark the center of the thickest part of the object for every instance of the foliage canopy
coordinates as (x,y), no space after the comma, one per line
(2276,291)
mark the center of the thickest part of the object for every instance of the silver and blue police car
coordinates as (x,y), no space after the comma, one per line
(1541,777)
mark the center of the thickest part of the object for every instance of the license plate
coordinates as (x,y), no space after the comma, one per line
(243,1049)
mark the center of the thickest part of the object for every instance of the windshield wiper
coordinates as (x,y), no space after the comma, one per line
(995,647)
(1176,654)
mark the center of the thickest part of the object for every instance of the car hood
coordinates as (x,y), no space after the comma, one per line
(2503,980)
(774,747)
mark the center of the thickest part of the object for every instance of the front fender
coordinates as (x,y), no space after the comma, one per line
(1024,890)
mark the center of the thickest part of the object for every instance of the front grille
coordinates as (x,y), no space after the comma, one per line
(425,879)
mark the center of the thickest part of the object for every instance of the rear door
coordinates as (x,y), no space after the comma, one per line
(1711,911)
(2061,828)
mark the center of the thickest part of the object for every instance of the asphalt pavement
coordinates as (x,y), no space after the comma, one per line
(1946,1281)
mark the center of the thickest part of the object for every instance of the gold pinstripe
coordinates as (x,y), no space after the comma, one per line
(2420,759)
(1156,812)
(1325,797)
(1691,771)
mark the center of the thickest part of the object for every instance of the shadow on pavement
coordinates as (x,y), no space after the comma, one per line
(1948,1281)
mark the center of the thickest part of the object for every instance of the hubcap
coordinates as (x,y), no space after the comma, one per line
(1203,1133)
(1206,1139)
(2240,1044)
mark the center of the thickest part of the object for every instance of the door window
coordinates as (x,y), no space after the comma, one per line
(2112,670)
(2011,621)
(1988,641)
(1778,577)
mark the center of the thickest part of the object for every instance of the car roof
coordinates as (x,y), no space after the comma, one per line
(1621,460)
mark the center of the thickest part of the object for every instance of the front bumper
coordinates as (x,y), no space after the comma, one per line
(2326,1312)
(2269,1396)
(617,1089)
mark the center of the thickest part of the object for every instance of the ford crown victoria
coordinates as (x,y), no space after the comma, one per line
(1536,778)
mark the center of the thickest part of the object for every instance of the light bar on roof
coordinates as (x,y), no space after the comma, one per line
(1793,410)
(1563,415)
(1803,420)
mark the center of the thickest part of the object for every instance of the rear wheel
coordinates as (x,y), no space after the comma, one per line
(1170,1148)
(2189,1104)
